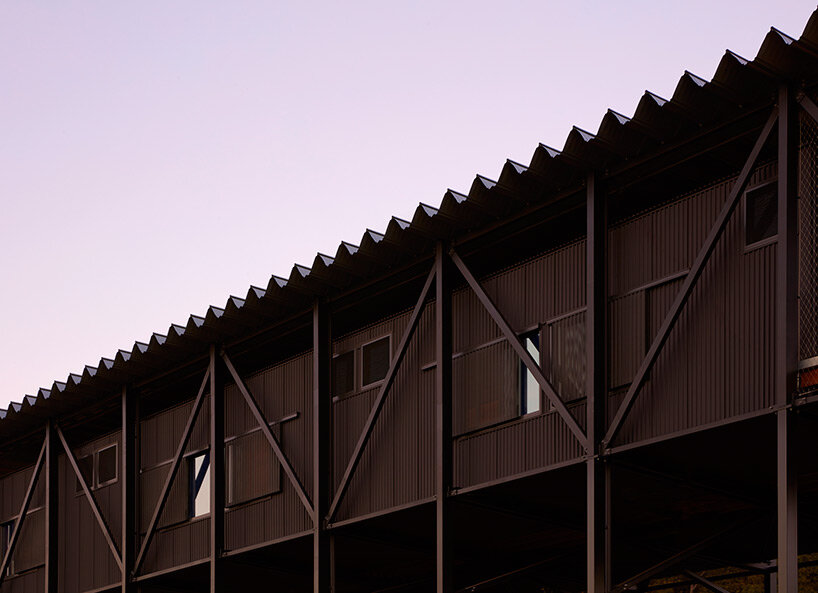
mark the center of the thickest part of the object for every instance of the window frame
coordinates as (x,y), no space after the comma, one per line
(748,247)
(360,363)
(522,373)
(98,484)
(190,460)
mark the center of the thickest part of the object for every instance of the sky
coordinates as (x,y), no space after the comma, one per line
(157,157)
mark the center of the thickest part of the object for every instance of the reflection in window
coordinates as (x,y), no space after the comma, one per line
(529,388)
(199,485)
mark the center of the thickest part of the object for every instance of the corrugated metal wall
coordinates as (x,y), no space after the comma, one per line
(397,465)
(86,561)
(28,558)
(718,360)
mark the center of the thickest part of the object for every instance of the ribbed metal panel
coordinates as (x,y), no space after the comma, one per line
(178,545)
(85,560)
(30,582)
(283,391)
(161,432)
(396,466)
(485,386)
(718,360)
(531,443)
(13,489)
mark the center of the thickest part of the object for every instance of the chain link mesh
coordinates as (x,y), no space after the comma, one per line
(808,243)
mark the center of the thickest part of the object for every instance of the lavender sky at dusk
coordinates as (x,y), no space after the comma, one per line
(156,157)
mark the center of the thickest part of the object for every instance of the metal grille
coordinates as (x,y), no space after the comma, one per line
(808,240)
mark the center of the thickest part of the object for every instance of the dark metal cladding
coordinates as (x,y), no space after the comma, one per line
(636,265)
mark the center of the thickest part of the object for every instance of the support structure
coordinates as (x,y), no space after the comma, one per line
(443,423)
(524,355)
(217,473)
(786,356)
(381,397)
(322,574)
(690,281)
(51,475)
(128,476)
(597,470)
(174,468)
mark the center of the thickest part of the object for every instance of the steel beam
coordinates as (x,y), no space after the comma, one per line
(597,470)
(810,107)
(690,282)
(174,468)
(217,474)
(676,558)
(52,558)
(321,434)
(21,517)
(89,496)
(289,471)
(786,330)
(706,583)
(443,424)
(521,351)
(381,397)
(127,475)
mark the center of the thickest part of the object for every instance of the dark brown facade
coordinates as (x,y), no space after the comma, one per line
(599,373)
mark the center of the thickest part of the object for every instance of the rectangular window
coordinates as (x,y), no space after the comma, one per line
(374,361)
(199,485)
(760,213)
(5,542)
(106,466)
(343,373)
(86,465)
(529,388)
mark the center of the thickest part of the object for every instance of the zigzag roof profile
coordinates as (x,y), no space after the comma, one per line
(738,86)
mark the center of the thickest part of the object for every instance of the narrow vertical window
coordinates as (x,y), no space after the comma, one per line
(199,480)
(529,388)
(5,543)
(374,361)
(760,214)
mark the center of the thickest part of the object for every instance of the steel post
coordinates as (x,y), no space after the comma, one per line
(128,475)
(786,357)
(51,476)
(443,423)
(322,576)
(597,470)
(217,473)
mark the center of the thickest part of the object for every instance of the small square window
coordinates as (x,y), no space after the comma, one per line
(106,466)
(199,485)
(374,361)
(760,213)
(529,388)
(86,465)
(343,373)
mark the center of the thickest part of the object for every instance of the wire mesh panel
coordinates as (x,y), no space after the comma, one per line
(808,250)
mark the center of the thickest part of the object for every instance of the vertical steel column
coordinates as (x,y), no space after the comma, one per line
(128,475)
(321,409)
(597,470)
(51,477)
(786,357)
(443,423)
(217,480)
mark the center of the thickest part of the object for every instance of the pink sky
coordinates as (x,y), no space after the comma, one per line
(158,157)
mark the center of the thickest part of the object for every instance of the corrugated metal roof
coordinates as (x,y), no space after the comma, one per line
(696,104)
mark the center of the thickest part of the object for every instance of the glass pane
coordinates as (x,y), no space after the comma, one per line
(200,485)
(530,388)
